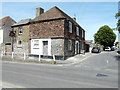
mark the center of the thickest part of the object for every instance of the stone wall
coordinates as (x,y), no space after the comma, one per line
(20,50)
(8,49)
(24,36)
(57,47)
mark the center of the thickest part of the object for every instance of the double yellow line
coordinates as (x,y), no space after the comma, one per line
(9,85)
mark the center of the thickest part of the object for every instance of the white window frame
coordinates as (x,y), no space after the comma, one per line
(70,27)
(77,30)
(69,44)
(20,30)
(19,45)
(36,43)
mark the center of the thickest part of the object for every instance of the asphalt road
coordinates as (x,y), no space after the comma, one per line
(97,71)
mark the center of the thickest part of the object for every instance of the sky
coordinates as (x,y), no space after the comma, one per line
(90,15)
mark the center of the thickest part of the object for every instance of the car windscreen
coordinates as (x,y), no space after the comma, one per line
(95,47)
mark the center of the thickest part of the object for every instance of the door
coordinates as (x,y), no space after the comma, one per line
(45,47)
(76,47)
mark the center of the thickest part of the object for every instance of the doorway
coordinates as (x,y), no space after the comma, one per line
(45,47)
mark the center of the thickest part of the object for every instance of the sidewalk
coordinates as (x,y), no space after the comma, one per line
(72,60)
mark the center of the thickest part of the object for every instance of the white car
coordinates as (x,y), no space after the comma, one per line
(107,49)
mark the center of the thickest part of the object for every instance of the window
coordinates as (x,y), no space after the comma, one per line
(70,27)
(82,33)
(20,30)
(77,31)
(19,44)
(69,44)
(36,42)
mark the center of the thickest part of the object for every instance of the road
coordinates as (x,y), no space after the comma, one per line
(79,75)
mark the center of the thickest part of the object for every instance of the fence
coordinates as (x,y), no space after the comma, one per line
(26,57)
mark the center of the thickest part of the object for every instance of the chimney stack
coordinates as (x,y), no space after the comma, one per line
(74,18)
(39,11)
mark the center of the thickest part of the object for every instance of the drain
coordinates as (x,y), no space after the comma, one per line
(100,75)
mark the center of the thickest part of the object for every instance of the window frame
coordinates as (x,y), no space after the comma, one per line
(19,45)
(36,43)
(77,31)
(70,27)
(20,30)
(82,34)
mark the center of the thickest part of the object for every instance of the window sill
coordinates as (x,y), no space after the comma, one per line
(19,47)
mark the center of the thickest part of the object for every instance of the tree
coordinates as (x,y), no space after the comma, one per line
(105,36)
(116,43)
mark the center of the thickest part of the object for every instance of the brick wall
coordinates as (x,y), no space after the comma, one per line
(47,29)
(73,34)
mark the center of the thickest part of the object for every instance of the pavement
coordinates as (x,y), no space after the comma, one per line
(71,60)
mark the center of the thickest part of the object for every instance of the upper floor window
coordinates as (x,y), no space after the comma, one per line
(70,27)
(82,33)
(20,30)
(77,31)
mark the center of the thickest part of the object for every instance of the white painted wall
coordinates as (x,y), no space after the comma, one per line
(1,36)
(39,49)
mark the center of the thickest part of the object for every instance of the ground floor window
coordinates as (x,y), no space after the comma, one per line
(69,44)
(19,43)
(36,42)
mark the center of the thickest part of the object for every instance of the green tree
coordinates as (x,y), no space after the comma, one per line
(105,36)
(116,43)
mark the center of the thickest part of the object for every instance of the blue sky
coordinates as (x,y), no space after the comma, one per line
(90,15)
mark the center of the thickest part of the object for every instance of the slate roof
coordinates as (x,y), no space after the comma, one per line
(22,22)
(7,21)
(54,13)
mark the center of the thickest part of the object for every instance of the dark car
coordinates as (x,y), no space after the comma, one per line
(96,50)
(118,51)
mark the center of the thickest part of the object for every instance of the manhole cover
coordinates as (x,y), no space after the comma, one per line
(100,75)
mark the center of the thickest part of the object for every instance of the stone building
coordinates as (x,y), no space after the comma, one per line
(21,39)
(5,39)
(51,33)
(5,28)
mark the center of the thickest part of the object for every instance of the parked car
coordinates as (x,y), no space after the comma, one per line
(96,50)
(113,48)
(107,49)
(118,51)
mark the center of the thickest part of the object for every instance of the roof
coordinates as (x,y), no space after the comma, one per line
(22,22)
(7,21)
(54,13)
